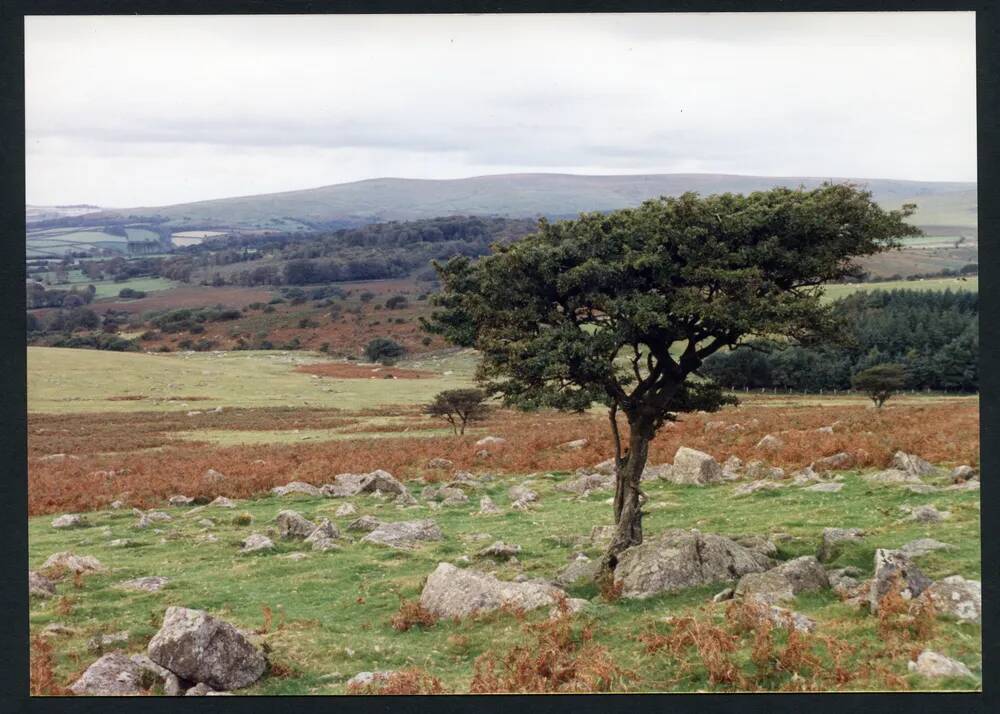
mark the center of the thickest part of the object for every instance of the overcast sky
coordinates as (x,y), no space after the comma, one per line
(145,111)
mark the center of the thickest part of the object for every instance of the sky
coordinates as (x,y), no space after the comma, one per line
(130,111)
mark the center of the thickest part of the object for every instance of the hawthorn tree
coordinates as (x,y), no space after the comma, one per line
(623,308)
(880,382)
(458,407)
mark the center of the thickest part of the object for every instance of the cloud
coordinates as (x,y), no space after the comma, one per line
(152,110)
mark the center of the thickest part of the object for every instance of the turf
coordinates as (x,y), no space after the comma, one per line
(331,611)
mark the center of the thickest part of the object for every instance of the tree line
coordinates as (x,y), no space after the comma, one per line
(934,336)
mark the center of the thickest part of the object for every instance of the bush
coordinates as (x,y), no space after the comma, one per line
(397,302)
(129,293)
(384,350)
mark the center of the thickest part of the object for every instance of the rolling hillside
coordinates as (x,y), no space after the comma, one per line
(945,204)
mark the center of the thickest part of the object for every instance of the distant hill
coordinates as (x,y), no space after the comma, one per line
(947,204)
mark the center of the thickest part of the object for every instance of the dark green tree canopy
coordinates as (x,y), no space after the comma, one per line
(458,407)
(587,310)
(880,382)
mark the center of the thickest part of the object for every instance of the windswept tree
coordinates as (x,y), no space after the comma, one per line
(880,382)
(623,308)
(458,407)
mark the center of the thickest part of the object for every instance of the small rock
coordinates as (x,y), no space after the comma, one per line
(71,520)
(834,538)
(364,524)
(840,460)
(825,487)
(928,514)
(223,502)
(892,567)
(256,542)
(769,442)
(574,445)
(488,441)
(116,505)
(292,524)
(440,463)
(911,464)
(755,486)
(297,487)
(499,549)
(150,583)
(346,509)
(722,595)
(693,468)
(113,675)
(522,493)
(406,499)
(40,586)
(962,473)
(487,507)
(452,592)
(404,534)
(199,690)
(213,476)
(99,643)
(932,665)
(958,597)
(922,546)
(179,500)
(363,679)
(73,563)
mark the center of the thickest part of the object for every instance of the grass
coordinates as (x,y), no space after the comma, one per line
(332,612)
(835,291)
(65,380)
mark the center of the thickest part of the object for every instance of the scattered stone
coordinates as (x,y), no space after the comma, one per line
(381,481)
(780,617)
(574,445)
(364,524)
(324,530)
(57,629)
(200,648)
(840,460)
(256,542)
(150,583)
(679,559)
(206,538)
(762,545)
(922,546)
(39,585)
(223,502)
(522,493)
(964,486)
(804,476)
(101,642)
(962,473)
(499,550)
(487,507)
(404,534)
(911,464)
(573,606)
(825,430)
(582,485)
(714,425)
(921,488)
(769,442)
(73,563)
(113,675)
(581,568)
(759,470)
(958,597)
(292,524)
(343,485)
(71,520)
(521,505)
(306,489)
(439,463)
(405,499)
(731,468)
(488,441)
(213,476)
(116,505)
(891,476)
(453,496)
(295,556)
(695,468)
(323,544)
(832,487)
(932,665)
(199,690)
(892,567)
(601,536)
(453,592)
(205,523)
(363,679)
(928,514)
(346,509)
(180,500)
(769,587)
(723,595)
(834,538)
(754,486)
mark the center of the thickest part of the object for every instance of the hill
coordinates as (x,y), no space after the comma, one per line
(521,195)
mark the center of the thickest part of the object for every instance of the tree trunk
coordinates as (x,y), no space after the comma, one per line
(628,511)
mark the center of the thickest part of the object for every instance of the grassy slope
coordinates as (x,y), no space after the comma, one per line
(336,606)
(833,292)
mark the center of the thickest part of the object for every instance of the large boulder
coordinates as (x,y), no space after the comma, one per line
(292,524)
(521,493)
(958,597)
(581,568)
(680,559)
(455,592)
(784,582)
(113,675)
(256,542)
(381,481)
(840,460)
(693,467)
(895,570)
(932,665)
(404,534)
(343,485)
(200,648)
(834,538)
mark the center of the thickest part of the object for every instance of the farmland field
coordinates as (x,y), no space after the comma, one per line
(835,291)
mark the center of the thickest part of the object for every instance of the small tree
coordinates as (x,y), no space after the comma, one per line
(623,308)
(384,350)
(880,382)
(458,407)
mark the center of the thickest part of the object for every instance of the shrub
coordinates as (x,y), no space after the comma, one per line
(411,613)
(397,302)
(384,350)
(407,681)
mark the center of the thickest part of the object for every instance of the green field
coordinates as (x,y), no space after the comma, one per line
(835,291)
(56,242)
(65,380)
(109,288)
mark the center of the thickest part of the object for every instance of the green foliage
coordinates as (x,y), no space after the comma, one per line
(384,350)
(880,382)
(397,302)
(458,407)
(933,335)
(588,310)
